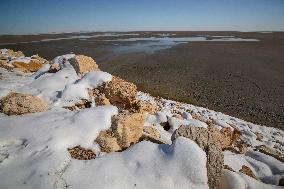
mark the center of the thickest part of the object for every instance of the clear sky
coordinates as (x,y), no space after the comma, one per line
(44,16)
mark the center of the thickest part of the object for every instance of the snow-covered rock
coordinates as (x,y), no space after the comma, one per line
(144,165)
(208,141)
(83,64)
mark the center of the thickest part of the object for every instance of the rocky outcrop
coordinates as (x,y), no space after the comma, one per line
(81,153)
(83,64)
(126,130)
(247,171)
(207,139)
(17,104)
(123,94)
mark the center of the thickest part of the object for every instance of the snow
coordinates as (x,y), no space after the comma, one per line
(36,145)
(265,168)
(232,180)
(25,60)
(4,51)
(144,165)
(78,90)
(49,85)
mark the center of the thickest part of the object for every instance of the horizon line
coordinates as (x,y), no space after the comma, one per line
(126,31)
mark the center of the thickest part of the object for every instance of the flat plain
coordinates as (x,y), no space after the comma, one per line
(244,79)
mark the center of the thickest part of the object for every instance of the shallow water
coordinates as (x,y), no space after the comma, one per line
(150,45)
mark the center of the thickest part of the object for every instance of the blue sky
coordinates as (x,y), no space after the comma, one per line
(44,16)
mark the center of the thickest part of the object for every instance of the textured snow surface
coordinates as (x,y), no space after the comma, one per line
(144,165)
(33,148)
(232,180)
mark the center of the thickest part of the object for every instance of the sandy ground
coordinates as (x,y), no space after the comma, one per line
(243,79)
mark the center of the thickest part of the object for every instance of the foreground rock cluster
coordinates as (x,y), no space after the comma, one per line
(139,118)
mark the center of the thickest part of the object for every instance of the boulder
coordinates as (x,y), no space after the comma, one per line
(247,171)
(208,140)
(83,64)
(17,104)
(107,141)
(36,62)
(127,128)
(123,94)
(120,92)
(33,66)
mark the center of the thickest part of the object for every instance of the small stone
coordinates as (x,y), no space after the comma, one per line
(259,136)
(54,68)
(247,171)
(228,168)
